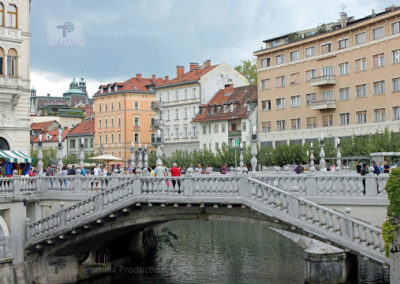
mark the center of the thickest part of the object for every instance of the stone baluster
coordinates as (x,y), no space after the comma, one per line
(371,183)
(322,167)
(254,150)
(312,165)
(81,154)
(140,158)
(133,155)
(347,224)
(339,157)
(293,202)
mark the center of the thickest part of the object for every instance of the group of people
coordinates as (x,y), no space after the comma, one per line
(362,168)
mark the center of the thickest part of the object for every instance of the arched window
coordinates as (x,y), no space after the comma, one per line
(1,15)
(1,61)
(4,144)
(12,63)
(12,16)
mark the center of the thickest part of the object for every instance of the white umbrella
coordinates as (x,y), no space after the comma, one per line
(105,158)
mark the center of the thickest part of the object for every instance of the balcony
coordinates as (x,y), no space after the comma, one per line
(156,123)
(234,133)
(323,105)
(156,105)
(323,81)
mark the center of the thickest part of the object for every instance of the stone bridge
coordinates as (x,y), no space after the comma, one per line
(140,201)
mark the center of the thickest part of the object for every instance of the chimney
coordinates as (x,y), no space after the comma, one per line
(343,20)
(228,88)
(139,76)
(166,78)
(391,8)
(153,77)
(180,70)
(193,66)
(207,63)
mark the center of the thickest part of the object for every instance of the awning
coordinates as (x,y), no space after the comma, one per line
(15,156)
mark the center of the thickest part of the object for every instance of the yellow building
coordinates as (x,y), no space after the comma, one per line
(341,80)
(123,115)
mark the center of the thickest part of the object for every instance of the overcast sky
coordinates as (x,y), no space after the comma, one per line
(114,40)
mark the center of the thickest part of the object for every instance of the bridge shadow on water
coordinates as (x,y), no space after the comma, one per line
(209,251)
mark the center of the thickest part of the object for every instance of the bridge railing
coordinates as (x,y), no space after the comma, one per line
(343,229)
(328,184)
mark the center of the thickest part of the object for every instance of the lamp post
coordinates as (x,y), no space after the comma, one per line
(159,153)
(140,164)
(132,155)
(40,155)
(81,155)
(146,158)
(339,156)
(60,150)
(241,155)
(322,155)
(312,167)
(254,149)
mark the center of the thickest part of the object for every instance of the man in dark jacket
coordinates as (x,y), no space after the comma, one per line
(72,171)
(376,169)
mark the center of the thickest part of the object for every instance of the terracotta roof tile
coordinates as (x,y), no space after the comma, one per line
(85,127)
(133,84)
(239,96)
(42,125)
(193,75)
(52,133)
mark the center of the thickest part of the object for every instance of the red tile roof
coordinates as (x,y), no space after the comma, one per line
(52,133)
(85,127)
(192,75)
(42,125)
(238,96)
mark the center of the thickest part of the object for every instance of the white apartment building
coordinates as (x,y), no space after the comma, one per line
(178,102)
(14,75)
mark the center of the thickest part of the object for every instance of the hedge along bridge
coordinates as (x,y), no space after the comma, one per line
(103,210)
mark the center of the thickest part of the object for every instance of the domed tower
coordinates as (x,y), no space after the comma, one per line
(73,84)
(82,85)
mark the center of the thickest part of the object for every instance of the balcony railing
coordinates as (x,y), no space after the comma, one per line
(156,105)
(323,105)
(156,123)
(234,133)
(323,80)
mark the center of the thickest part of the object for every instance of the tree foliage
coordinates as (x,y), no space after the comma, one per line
(48,153)
(248,69)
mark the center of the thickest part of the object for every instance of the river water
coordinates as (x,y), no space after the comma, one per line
(226,252)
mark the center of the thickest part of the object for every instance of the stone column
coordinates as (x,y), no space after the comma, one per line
(81,154)
(322,167)
(140,164)
(312,165)
(254,150)
(133,155)
(159,153)
(339,157)
(395,255)
(40,156)
(146,158)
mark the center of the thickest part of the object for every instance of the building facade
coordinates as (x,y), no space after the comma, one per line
(341,82)
(50,139)
(85,131)
(123,115)
(178,102)
(14,75)
(228,118)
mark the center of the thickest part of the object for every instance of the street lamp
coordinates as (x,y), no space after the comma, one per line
(254,149)
(158,153)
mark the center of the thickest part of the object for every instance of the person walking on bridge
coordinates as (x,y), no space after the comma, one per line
(176,172)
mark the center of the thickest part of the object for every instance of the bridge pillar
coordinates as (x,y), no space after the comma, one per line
(395,258)
(371,185)
(311,185)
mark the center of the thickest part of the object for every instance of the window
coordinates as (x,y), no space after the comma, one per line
(265,84)
(176,114)
(280,81)
(311,74)
(244,126)
(193,131)
(379,115)
(361,117)
(223,128)
(344,94)
(360,38)
(361,64)
(1,14)
(280,103)
(281,125)
(326,48)
(327,95)
(379,87)
(216,146)
(395,28)
(186,112)
(204,130)
(280,59)
(112,122)
(344,118)
(295,55)
(99,108)
(266,126)
(91,142)
(119,121)
(311,122)
(295,123)
(99,123)
(137,137)
(361,91)
(136,121)
(12,16)
(275,43)
(295,101)
(106,139)
(100,139)
(327,71)
(167,114)
(378,33)
(185,131)
(176,132)
(310,51)
(216,128)
(119,137)
(72,143)
(112,107)
(204,146)
(295,78)
(327,120)
(396,113)
(265,62)
(395,56)
(106,123)
(12,63)
(396,84)
(311,98)
(176,96)
(194,92)
(344,68)
(119,106)
(343,43)
(115,88)
(109,89)
(136,105)
(112,138)
(106,107)
(378,60)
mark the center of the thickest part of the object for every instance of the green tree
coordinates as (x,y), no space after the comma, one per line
(70,159)
(48,153)
(248,69)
